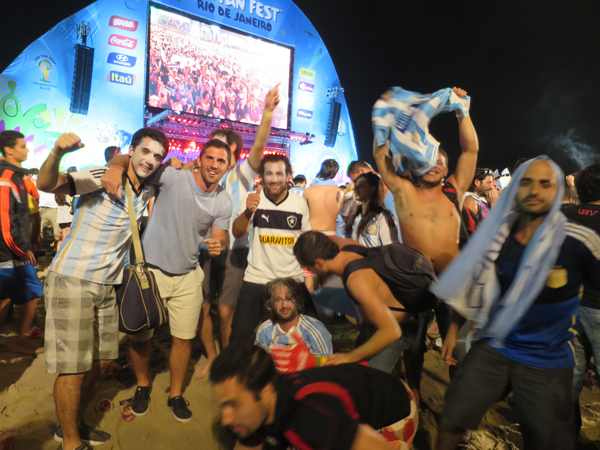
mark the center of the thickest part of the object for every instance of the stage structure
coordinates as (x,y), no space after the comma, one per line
(185,67)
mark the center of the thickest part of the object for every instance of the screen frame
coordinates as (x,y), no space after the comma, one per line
(226,28)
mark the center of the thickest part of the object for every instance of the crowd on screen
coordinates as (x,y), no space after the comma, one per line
(209,77)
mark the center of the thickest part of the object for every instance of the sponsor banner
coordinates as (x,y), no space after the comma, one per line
(305,114)
(121,78)
(307,87)
(307,73)
(121,60)
(124,24)
(122,41)
(305,100)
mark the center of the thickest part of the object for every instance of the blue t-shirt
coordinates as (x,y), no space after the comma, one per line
(543,336)
(183,214)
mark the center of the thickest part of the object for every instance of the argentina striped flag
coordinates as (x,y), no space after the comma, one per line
(404,121)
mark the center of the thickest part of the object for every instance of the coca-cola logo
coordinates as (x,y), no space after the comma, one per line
(122,41)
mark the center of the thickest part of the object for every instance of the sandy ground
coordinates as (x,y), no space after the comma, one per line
(28,419)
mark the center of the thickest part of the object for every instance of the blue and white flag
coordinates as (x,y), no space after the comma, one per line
(404,121)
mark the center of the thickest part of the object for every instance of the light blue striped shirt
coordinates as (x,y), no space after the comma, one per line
(100,234)
(313,332)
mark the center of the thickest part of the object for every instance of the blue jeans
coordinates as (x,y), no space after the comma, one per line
(586,344)
(387,358)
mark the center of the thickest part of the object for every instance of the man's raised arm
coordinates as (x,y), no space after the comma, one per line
(387,170)
(49,179)
(467,162)
(264,129)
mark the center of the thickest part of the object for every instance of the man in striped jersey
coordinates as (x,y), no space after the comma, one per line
(82,334)
(285,303)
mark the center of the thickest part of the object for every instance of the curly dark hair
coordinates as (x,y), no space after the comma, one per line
(294,292)
(272,159)
(587,183)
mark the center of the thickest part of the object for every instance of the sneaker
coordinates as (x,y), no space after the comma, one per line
(86,433)
(81,447)
(141,401)
(179,406)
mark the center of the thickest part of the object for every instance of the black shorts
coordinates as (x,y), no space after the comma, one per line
(65,225)
(542,397)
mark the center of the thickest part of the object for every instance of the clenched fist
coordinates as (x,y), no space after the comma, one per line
(66,143)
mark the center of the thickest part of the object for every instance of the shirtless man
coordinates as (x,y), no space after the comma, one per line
(324,198)
(429,221)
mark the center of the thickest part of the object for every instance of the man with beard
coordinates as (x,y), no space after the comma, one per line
(274,218)
(285,303)
(530,263)
(342,407)
(481,195)
(189,205)
(82,324)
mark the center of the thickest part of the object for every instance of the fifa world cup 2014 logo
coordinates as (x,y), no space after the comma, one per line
(45,66)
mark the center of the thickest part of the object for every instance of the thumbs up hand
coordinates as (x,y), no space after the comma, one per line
(253,200)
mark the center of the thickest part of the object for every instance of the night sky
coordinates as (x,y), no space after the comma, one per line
(532,67)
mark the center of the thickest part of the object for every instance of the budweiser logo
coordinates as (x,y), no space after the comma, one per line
(124,24)
(121,41)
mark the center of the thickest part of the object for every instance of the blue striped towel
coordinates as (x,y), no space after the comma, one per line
(404,120)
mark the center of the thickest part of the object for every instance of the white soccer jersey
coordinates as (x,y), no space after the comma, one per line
(100,234)
(274,230)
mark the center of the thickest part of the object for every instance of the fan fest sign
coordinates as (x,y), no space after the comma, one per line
(257,8)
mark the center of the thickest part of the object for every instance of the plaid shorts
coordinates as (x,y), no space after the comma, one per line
(82,323)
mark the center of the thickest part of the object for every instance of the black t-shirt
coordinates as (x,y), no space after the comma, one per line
(588,216)
(321,408)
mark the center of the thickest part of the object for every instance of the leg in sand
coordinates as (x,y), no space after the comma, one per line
(208,340)
(178,361)
(67,396)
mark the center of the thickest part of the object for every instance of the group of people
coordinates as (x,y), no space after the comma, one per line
(210,76)
(499,270)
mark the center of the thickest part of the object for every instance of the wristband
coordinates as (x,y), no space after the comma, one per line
(54,155)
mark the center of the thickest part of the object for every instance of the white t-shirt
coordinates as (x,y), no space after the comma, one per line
(47,200)
(274,230)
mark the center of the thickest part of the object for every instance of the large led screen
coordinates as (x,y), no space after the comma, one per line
(203,68)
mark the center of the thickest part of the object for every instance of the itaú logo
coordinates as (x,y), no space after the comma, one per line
(121,41)
(121,78)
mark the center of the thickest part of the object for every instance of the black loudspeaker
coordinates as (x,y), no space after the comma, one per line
(82,79)
(333,122)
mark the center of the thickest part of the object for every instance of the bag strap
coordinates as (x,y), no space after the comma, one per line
(137,246)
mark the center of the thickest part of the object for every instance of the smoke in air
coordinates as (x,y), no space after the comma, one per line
(579,152)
